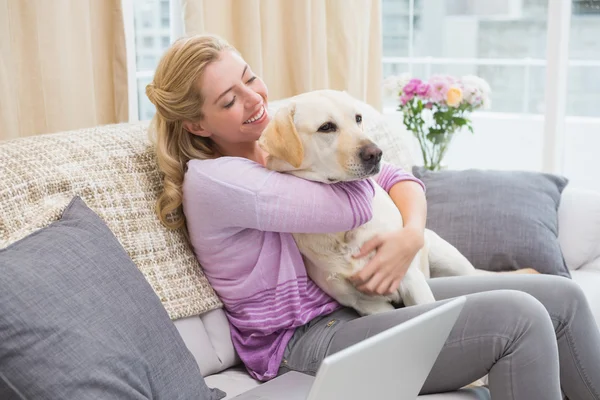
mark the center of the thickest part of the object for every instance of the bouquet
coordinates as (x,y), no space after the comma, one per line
(434,110)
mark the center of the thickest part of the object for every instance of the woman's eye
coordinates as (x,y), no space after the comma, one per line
(358,118)
(327,127)
(230,104)
(251,80)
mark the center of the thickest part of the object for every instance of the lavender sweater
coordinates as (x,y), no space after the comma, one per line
(240,217)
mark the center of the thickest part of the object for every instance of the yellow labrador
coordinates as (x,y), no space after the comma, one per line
(319,137)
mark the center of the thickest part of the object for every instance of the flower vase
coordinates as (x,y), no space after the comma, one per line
(434,147)
(435,109)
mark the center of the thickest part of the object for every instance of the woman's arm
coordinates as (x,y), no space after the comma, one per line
(408,193)
(390,174)
(396,250)
(241,193)
(409,197)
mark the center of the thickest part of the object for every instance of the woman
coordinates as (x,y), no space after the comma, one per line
(533,334)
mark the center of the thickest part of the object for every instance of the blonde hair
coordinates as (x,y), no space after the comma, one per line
(175,94)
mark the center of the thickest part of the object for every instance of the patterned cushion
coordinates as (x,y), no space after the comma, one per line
(113,169)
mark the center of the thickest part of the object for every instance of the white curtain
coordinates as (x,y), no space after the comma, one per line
(300,45)
(62,65)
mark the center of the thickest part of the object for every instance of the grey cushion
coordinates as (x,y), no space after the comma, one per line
(79,321)
(499,220)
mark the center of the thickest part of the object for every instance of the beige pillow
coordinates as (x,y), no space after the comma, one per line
(113,169)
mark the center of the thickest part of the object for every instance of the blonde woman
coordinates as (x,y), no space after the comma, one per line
(534,335)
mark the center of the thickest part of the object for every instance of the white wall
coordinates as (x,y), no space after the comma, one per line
(514,142)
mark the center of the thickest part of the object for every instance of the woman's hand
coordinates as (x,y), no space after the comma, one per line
(394,253)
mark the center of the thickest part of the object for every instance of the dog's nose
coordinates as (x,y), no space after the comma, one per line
(370,154)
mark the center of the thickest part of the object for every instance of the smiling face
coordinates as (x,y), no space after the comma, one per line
(319,137)
(235,105)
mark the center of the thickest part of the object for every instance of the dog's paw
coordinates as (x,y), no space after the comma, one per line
(524,271)
(476,384)
(530,271)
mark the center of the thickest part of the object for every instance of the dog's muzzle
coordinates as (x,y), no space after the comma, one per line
(370,155)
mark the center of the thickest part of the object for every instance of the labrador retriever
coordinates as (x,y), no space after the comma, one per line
(318,136)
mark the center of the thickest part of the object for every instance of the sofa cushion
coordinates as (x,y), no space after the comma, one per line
(499,220)
(579,226)
(209,340)
(78,320)
(113,168)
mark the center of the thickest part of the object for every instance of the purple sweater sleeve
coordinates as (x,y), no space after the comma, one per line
(241,193)
(390,175)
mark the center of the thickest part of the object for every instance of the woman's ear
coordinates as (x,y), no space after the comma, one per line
(195,129)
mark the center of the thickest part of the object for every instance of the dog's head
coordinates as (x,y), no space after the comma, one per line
(319,137)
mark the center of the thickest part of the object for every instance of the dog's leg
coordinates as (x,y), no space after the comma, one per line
(367,305)
(347,295)
(446,260)
(414,288)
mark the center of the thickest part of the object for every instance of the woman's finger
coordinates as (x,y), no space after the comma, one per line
(369,246)
(373,283)
(366,274)
(384,286)
(394,286)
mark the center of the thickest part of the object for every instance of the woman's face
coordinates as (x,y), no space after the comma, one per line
(235,102)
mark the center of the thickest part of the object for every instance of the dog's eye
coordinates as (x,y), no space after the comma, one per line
(358,118)
(328,127)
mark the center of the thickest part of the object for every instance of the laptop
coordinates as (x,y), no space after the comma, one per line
(392,364)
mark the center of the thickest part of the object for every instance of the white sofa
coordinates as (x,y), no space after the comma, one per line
(207,336)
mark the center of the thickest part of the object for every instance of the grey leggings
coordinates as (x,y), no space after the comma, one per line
(515,328)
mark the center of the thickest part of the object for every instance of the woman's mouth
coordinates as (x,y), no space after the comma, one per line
(258,117)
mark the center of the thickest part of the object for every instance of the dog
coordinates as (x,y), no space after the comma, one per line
(319,136)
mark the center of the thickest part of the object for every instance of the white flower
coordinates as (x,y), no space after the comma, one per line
(476,91)
(427,116)
(393,84)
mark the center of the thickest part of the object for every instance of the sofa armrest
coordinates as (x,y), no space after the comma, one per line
(579,227)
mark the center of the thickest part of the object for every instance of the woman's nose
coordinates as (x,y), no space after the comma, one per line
(253,98)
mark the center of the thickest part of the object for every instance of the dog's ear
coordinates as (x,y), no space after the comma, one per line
(281,140)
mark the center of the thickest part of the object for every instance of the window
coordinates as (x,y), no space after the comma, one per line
(149,31)
(583,82)
(145,19)
(503,41)
(146,61)
(148,42)
(536,122)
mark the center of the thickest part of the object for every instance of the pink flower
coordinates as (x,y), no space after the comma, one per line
(423,89)
(405,98)
(411,86)
(439,87)
(428,106)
